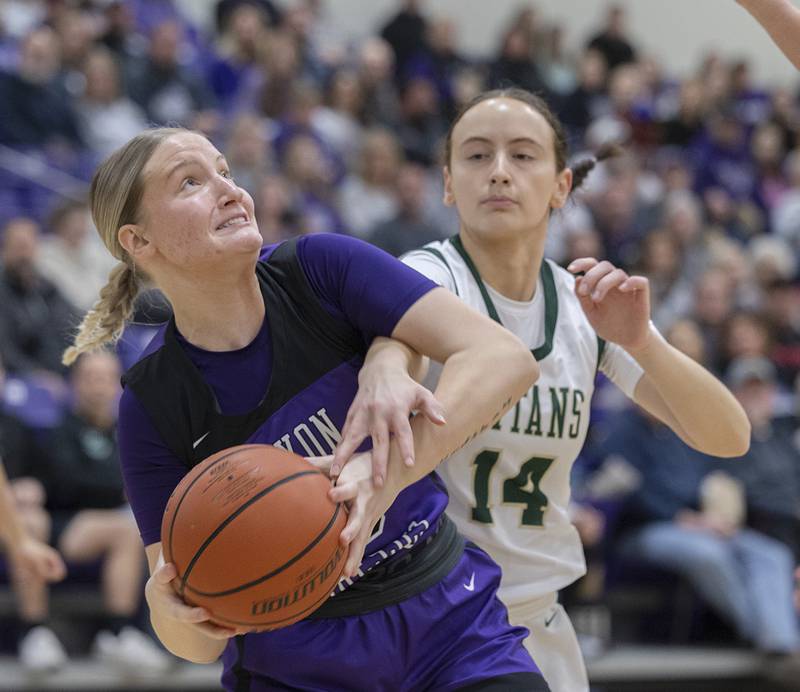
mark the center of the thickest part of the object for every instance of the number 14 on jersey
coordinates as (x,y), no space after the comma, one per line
(524,488)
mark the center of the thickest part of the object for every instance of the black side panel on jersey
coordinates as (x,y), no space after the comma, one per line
(307,343)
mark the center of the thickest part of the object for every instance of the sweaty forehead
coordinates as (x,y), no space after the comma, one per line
(503,118)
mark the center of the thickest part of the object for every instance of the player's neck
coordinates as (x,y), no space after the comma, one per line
(219,315)
(510,267)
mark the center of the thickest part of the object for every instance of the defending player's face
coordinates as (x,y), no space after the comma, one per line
(192,211)
(502,175)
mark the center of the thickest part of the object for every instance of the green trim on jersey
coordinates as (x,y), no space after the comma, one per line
(433,251)
(550,298)
(601,349)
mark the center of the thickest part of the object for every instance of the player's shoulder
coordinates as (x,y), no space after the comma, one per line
(439,261)
(438,251)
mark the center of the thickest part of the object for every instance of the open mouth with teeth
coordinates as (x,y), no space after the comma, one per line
(235,221)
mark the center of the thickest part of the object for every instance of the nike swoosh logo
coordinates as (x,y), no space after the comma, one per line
(471,585)
(550,619)
(200,439)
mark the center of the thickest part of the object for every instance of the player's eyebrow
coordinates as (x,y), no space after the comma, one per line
(517,140)
(181,163)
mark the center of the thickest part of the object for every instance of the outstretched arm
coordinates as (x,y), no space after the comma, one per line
(781,19)
(486,369)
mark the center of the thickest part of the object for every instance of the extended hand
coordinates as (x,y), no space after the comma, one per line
(163,599)
(616,305)
(366,503)
(381,410)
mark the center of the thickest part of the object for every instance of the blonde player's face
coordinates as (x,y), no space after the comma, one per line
(502,175)
(192,212)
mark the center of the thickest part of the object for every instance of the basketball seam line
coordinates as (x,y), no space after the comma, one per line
(242,508)
(168,557)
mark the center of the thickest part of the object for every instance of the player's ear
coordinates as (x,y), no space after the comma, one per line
(448,198)
(132,238)
(561,189)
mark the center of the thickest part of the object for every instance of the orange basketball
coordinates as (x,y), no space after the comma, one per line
(254,537)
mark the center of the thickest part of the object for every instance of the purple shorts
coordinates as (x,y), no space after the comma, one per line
(450,636)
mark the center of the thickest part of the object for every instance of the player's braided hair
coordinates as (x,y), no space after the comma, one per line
(115,197)
(582,169)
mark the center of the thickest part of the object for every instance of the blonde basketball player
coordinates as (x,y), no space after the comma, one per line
(509,487)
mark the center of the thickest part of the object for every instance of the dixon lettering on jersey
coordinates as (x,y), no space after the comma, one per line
(316,438)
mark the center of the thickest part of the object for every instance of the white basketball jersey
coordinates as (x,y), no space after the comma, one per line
(510,486)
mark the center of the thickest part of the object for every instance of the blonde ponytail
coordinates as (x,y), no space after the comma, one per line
(105,322)
(115,196)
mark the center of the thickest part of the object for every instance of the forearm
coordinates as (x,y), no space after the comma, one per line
(708,415)
(390,353)
(181,637)
(185,641)
(476,387)
(11,530)
(781,20)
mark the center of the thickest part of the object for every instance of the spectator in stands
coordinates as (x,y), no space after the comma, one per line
(25,529)
(745,334)
(405,33)
(367,196)
(337,119)
(36,320)
(612,42)
(770,471)
(766,150)
(515,65)
(683,217)
(714,301)
(422,127)
(75,30)
(119,32)
(786,212)
(588,99)
(557,65)
(279,63)
(36,110)
(621,214)
(166,91)
(409,229)
(236,61)
(671,522)
(310,178)
(438,59)
(661,262)
(225,9)
(108,117)
(250,154)
(683,127)
(91,519)
(277,218)
(70,257)
(375,68)
(782,308)
(725,162)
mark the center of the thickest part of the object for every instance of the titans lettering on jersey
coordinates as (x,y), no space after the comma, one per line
(310,424)
(562,416)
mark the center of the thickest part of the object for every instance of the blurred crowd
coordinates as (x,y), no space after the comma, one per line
(332,133)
